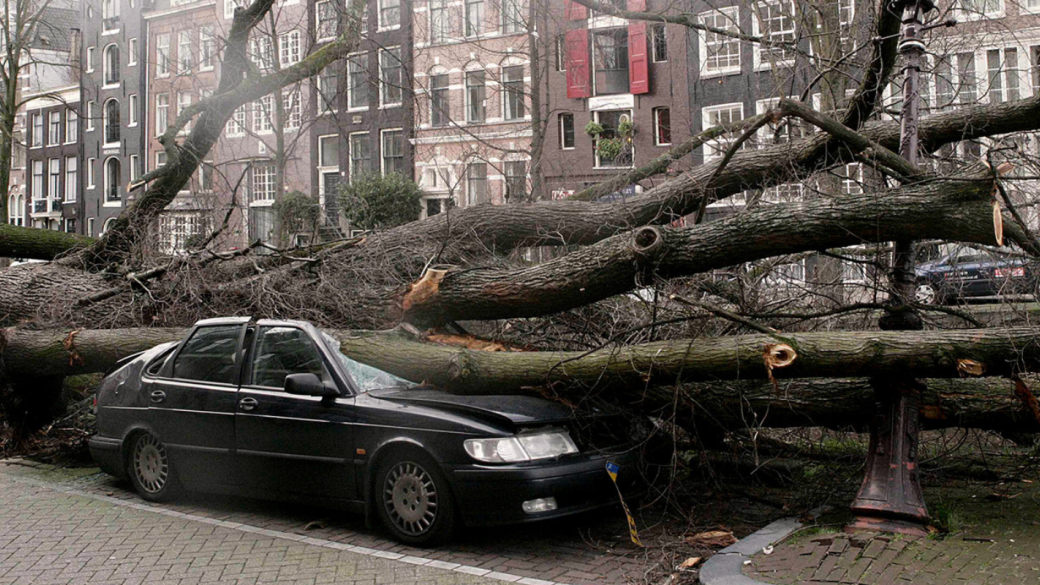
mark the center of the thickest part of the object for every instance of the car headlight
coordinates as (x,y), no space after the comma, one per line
(528,447)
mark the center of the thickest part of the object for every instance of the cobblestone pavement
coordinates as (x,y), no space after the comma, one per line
(589,550)
(893,560)
(47,536)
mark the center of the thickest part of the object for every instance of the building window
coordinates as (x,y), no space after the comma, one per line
(1003,75)
(90,59)
(236,125)
(113,179)
(389,13)
(967,86)
(513,86)
(720,53)
(474,17)
(357,81)
(289,48)
(610,121)
(611,55)
(328,151)
(131,49)
(71,126)
(54,179)
(973,9)
(774,21)
(262,53)
(390,77)
(262,114)
(662,126)
(476,94)
(37,130)
(71,176)
(561,54)
(328,90)
(176,229)
(135,167)
(293,109)
(476,184)
(91,163)
(91,115)
(263,183)
(715,115)
(16,210)
(160,159)
(183,101)
(162,113)
(185,59)
(393,152)
(512,16)
(54,129)
(440,104)
(207,49)
(516,180)
(659,38)
(360,155)
(37,182)
(111,65)
(325,13)
(567,131)
(231,5)
(162,55)
(132,107)
(109,15)
(111,122)
(440,25)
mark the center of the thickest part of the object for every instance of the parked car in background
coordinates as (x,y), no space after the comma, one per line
(969,272)
(273,409)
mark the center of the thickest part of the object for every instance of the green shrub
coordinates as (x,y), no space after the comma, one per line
(380,202)
(295,213)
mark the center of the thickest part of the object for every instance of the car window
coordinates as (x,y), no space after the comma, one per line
(157,364)
(365,377)
(209,355)
(281,351)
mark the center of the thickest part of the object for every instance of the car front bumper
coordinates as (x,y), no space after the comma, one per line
(108,454)
(489,495)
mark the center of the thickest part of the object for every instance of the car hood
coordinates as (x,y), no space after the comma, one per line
(517,409)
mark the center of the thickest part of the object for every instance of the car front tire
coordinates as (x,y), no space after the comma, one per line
(927,294)
(150,469)
(414,500)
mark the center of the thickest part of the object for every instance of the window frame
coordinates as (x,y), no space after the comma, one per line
(384,84)
(731,21)
(352,171)
(71,189)
(162,55)
(382,148)
(563,133)
(656,112)
(170,371)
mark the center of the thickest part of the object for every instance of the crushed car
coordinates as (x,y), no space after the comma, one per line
(273,409)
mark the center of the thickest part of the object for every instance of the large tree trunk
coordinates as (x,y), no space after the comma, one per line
(989,403)
(19,242)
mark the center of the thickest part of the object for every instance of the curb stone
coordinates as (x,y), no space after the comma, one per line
(726,566)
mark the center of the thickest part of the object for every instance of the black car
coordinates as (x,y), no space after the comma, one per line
(972,273)
(273,409)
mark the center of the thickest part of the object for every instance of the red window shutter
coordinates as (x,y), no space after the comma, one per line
(637,5)
(576,11)
(638,61)
(577,42)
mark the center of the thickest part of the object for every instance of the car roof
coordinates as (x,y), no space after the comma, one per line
(223,321)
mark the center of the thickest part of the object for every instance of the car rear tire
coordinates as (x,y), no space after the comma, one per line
(927,294)
(150,469)
(414,500)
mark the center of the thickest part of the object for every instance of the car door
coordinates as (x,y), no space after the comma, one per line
(193,401)
(291,444)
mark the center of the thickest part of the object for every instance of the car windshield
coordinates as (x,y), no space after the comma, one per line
(366,377)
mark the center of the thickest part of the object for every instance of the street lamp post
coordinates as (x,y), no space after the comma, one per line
(890,498)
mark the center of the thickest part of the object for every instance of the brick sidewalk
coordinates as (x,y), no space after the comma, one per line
(47,536)
(583,551)
(892,560)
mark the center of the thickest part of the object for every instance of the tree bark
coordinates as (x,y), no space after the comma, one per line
(38,244)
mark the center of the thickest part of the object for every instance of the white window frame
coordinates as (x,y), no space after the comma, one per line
(292,106)
(269,175)
(184,50)
(1021,74)
(731,16)
(963,14)
(236,127)
(163,109)
(104,182)
(90,59)
(37,139)
(350,151)
(379,15)
(349,81)
(318,8)
(162,55)
(290,48)
(655,113)
(507,115)
(105,68)
(132,110)
(53,179)
(714,149)
(53,129)
(207,44)
(71,179)
(382,94)
(263,116)
(787,10)
(135,167)
(183,101)
(71,126)
(575,130)
(131,49)
(91,183)
(321,153)
(382,143)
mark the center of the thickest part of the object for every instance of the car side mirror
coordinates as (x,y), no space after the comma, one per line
(309,385)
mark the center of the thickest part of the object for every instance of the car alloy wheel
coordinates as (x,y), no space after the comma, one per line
(150,469)
(926,294)
(411,499)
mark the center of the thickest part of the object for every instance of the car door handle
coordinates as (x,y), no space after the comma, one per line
(158,396)
(247,404)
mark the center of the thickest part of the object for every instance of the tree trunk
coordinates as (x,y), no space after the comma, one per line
(19,242)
